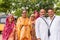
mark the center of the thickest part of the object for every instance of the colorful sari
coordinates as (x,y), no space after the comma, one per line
(8,32)
(32,25)
(23,29)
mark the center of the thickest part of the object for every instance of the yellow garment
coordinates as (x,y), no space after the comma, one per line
(23,29)
(32,25)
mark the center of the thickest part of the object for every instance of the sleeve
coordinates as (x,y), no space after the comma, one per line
(18,24)
(18,28)
(37,29)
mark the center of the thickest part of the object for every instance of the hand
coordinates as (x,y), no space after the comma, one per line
(38,39)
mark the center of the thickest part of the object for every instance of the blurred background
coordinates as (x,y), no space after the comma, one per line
(16,6)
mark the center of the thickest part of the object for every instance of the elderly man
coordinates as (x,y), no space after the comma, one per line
(41,27)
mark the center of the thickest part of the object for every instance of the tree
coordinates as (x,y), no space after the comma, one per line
(30,5)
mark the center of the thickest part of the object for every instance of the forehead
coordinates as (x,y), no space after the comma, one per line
(24,11)
(42,10)
(32,16)
(50,10)
(11,16)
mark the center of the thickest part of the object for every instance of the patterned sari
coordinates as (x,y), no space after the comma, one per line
(23,29)
(32,25)
(8,32)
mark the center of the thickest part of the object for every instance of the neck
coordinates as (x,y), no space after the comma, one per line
(10,22)
(24,17)
(32,20)
(51,17)
(42,15)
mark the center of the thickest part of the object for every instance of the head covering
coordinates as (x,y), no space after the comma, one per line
(37,13)
(32,14)
(8,28)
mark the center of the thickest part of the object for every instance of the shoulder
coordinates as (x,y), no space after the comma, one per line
(27,19)
(38,19)
(57,16)
(19,18)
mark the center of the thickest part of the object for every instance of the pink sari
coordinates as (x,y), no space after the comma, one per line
(7,29)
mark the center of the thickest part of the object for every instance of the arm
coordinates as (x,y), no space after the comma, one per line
(37,23)
(18,28)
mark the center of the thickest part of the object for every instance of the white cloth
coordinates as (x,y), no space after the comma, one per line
(54,28)
(41,29)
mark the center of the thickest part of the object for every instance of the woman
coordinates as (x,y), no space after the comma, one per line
(36,13)
(8,32)
(32,25)
(22,27)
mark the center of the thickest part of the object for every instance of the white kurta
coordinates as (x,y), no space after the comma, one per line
(54,28)
(41,29)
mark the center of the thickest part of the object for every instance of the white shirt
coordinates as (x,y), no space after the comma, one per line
(41,29)
(54,28)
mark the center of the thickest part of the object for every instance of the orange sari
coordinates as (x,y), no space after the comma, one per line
(23,29)
(32,25)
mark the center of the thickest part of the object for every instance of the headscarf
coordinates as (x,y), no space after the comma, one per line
(8,28)
(37,13)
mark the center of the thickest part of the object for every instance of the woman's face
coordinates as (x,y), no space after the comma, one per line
(10,19)
(36,14)
(32,18)
(24,14)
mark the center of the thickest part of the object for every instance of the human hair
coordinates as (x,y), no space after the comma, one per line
(50,9)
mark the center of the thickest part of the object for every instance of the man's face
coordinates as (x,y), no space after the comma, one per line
(42,12)
(24,14)
(51,13)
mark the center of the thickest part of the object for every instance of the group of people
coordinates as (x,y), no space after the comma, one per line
(37,27)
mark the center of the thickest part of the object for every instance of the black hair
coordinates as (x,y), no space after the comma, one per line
(50,9)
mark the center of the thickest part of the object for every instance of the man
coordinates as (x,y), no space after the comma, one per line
(54,25)
(41,26)
(23,29)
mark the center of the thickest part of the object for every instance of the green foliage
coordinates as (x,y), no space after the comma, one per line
(18,12)
(30,5)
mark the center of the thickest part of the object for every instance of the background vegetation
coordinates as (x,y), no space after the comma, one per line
(16,6)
